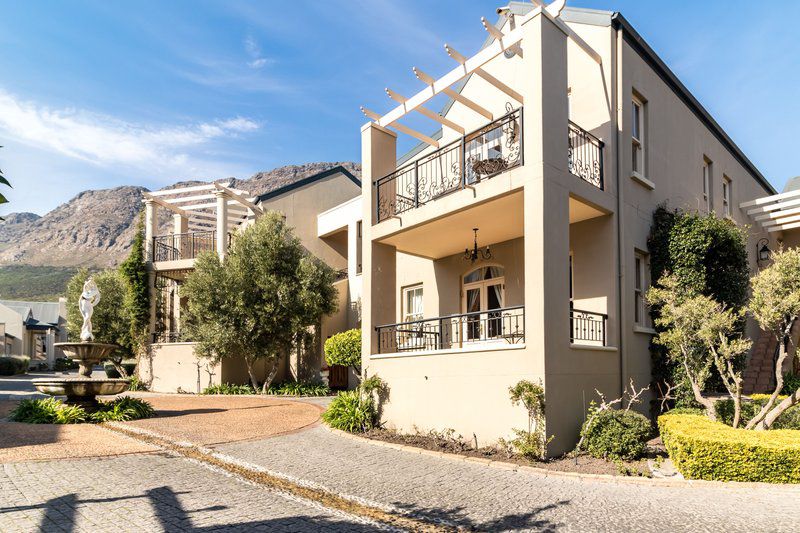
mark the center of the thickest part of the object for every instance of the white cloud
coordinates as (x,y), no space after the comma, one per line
(253,49)
(107,141)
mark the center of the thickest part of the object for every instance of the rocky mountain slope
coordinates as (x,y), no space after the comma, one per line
(95,229)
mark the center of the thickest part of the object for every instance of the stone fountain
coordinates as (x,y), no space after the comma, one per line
(83,390)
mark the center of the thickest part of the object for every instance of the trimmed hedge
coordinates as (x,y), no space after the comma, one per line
(12,365)
(702,449)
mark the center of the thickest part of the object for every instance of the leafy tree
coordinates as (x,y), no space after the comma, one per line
(261,301)
(110,321)
(699,334)
(4,181)
(344,349)
(775,304)
(137,296)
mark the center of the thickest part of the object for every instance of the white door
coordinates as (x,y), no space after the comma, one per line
(482,299)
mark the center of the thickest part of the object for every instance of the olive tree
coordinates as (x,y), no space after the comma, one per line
(775,304)
(700,334)
(260,302)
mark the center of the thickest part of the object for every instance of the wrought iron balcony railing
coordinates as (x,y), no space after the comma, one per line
(477,156)
(585,155)
(587,327)
(505,325)
(184,245)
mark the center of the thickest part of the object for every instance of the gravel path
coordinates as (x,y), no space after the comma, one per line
(476,496)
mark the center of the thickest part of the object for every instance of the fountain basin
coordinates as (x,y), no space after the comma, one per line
(81,391)
(86,354)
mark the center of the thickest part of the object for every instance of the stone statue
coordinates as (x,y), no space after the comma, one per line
(90,297)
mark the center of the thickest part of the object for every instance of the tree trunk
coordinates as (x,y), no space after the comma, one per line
(251,372)
(119,368)
(758,420)
(737,408)
(791,400)
(268,379)
(698,395)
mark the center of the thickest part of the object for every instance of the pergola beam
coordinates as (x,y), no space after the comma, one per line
(399,127)
(162,203)
(463,100)
(483,74)
(238,197)
(193,188)
(424,111)
(773,207)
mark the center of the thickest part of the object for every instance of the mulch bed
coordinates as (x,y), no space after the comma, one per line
(583,463)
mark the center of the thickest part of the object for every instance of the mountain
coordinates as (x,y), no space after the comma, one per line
(95,229)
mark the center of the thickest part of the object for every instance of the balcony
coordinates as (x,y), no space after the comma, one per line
(585,156)
(477,156)
(176,246)
(587,328)
(501,326)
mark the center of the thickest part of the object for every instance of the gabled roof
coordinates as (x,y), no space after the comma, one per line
(36,315)
(339,169)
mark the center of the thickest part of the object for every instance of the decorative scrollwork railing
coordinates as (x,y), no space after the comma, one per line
(587,327)
(183,245)
(454,331)
(477,156)
(585,155)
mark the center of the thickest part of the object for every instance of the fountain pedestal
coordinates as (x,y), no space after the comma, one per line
(83,390)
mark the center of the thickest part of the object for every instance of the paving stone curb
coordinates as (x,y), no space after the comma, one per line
(587,478)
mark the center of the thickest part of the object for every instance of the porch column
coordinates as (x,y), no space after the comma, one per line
(180,227)
(150,228)
(353,264)
(379,155)
(222,224)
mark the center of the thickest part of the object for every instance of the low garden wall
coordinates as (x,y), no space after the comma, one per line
(702,449)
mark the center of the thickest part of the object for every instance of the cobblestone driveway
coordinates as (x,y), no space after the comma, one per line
(148,492)
(490,499)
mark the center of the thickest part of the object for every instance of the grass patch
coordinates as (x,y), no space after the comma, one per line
(37,283)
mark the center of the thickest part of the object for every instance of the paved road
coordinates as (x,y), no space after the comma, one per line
(489,499)
(149,492)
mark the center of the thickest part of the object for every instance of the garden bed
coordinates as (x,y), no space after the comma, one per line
(447,442)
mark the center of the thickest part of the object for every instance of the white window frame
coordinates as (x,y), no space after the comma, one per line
(641,312)
(707,183)
(409,315)
(727,185)
(638,136)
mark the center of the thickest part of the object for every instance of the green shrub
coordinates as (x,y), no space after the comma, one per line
(702,449)
(344,349)
(47,411)
(54,411)
(355,410)
(12,365)
(136,384)
(351,412)
(791,382)
(112,373)
(532,443)
(122,409)
(63,364)
(229,388)
(790,419)
(616,434)
(299,388)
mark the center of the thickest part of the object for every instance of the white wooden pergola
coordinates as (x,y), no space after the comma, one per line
(775,213)
(502,42)
(212,207)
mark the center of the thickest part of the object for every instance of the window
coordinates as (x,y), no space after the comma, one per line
(358,247)
(726,196)
(707,184)
(412,303)
(638,136)
(640,285)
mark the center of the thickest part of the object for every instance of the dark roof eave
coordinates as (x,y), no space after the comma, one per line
(649,55)
(307,180)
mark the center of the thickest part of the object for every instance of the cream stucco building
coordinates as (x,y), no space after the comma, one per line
(316,207)
(563,134)
(32,328)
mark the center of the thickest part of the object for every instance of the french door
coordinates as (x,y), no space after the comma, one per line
(482,302)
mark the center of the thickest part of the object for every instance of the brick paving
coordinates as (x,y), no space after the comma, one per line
(490,499)
(149,492)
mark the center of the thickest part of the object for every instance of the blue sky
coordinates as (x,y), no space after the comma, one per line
(100,94)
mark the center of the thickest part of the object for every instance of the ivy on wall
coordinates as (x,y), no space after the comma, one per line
(707,254)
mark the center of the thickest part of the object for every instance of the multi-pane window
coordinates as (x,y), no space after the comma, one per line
(640,285)
(707,184)
(726,196)
(637,136)
(412,303)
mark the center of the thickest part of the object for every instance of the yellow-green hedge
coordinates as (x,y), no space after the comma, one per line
(702,449)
